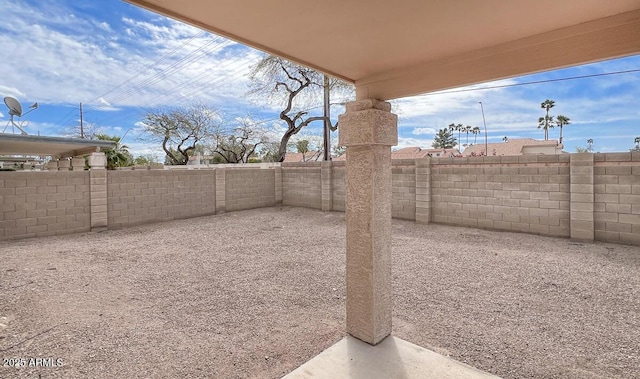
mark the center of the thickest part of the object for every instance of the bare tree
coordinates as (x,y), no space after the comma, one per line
(241,144)
(89,130)
(297,86)
(179,130)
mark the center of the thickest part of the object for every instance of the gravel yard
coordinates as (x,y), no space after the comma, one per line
(254,294)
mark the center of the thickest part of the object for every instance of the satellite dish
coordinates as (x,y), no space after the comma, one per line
(15,109)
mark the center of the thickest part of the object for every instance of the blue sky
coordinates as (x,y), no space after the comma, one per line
(121,62)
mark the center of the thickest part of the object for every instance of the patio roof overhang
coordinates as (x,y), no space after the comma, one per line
(57,147)
(407,47)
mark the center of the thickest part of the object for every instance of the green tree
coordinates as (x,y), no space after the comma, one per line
(546,122)
(302,146)
(141,160)
(562,121)
(118,156)
(444,139)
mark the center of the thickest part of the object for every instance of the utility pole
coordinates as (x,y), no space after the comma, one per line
(81,124)
(327,121)
(486,144)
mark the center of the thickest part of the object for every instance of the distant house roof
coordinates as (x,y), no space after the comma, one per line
(309,156)
(520,146)
(414,152)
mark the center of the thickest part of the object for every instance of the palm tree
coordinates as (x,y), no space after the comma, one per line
(467,130)
(457,127)
(475,131)
(547,121)
(562,121)
(117,157)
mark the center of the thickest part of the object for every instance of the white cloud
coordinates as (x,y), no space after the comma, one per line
(60,66)
(11,91)
(421,131)
(410,142)
(104,26)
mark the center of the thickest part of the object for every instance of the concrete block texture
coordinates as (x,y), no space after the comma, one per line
(302,186)
(327,185)
(403,196)
(338,186)
(168,195)
(475,192)
(250,188)
(221,190)
(34,204)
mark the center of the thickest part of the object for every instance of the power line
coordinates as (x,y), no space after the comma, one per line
(185,61)
(153,64)
(128,80)
(215,80)
(533,82)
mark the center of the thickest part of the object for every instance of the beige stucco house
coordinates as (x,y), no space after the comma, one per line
(519,146)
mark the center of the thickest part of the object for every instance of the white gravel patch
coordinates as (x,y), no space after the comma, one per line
(254,294)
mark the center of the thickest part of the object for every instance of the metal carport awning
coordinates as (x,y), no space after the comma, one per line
(57,147)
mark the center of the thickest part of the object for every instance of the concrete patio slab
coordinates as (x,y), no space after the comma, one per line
(391,358)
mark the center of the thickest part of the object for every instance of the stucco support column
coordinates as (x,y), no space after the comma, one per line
(368,129)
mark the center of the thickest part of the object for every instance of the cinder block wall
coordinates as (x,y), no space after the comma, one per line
(582,196)
(36,204)
(137,197)
(302,184)
(403,196)
(248,188)
(338,184)
(516,193)
(617,197)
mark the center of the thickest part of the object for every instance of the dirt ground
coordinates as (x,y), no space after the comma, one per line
(255,294)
